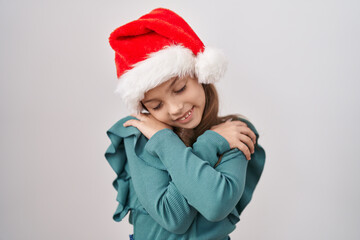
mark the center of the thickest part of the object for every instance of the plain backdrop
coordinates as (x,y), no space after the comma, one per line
(293,71)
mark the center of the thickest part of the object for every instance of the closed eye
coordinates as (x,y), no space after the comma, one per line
(182,89)
(157,107)
(178,91)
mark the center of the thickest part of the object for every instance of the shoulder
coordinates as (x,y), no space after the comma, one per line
(121,131)
(123,120)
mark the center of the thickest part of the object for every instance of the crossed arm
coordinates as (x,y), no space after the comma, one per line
(190,184)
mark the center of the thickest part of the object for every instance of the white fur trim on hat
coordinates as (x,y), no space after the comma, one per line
(211,65)
(175,60)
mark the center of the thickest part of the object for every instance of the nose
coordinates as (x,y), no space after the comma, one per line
(176,108)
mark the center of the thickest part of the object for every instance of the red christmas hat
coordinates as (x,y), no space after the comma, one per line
(156,47)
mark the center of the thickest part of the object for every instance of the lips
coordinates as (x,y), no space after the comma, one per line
(185,114)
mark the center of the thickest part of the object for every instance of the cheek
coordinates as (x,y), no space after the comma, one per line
(192,92)
(160,116)
(199,96)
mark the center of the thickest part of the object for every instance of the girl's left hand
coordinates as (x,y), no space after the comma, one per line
(147,124)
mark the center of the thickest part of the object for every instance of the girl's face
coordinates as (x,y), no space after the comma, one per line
(178,102)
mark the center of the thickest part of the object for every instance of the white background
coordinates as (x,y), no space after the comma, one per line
(294,72)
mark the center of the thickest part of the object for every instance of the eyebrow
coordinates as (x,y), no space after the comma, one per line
(172,84)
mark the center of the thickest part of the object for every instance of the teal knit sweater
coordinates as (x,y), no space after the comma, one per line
(173,191)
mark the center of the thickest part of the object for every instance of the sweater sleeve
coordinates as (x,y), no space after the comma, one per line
(213,193)
(159,195)
(209,146)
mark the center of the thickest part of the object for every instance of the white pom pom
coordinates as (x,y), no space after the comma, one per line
(210,66)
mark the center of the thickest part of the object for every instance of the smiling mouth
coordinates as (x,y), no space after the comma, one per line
(186,115)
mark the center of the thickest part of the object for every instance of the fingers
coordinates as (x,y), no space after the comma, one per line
(131,122)
(249,133)
(239,123)
(244,149)
(248,141)
(245,129)
(140,116)
(134,122)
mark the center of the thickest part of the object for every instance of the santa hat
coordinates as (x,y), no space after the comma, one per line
(156,47)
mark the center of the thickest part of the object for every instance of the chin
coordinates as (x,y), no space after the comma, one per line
(191,125)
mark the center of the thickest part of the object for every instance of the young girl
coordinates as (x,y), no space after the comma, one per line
(183,172)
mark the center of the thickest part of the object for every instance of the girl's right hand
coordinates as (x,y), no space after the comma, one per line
(238,135)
